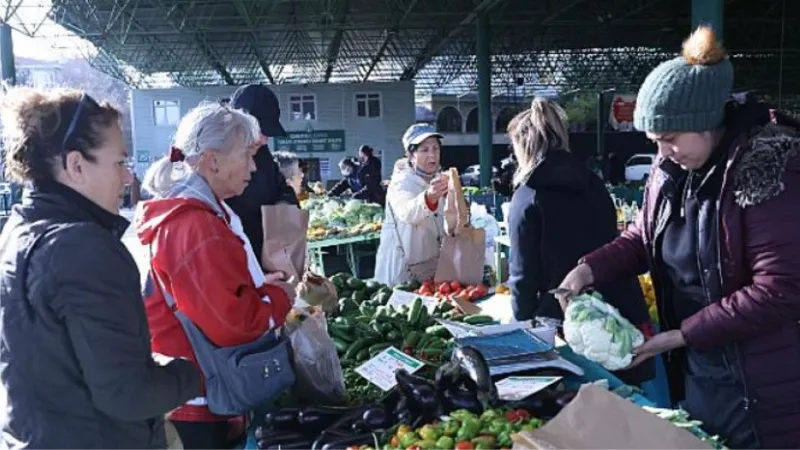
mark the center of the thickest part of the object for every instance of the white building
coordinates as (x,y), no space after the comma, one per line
(456,116)
(326,122)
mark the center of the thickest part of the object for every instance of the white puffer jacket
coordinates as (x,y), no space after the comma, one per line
(420,229)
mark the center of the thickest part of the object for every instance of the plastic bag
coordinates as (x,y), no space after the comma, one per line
(482,220)
(316,363)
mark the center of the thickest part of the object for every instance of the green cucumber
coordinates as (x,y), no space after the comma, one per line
(478,319)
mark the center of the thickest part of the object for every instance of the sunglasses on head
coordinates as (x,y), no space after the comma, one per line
(84,102)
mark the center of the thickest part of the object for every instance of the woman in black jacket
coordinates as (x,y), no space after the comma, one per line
(75,348)
(559,212)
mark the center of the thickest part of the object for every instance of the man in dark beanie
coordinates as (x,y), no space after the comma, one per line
(267,185)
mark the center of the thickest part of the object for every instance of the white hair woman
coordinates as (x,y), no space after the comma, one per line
(197,252)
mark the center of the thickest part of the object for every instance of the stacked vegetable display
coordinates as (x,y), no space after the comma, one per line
(452,289)
(365,326)
(331,217)
(464,430)
(460,408)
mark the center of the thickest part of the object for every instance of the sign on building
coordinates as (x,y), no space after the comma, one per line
(621,115)
(311,141)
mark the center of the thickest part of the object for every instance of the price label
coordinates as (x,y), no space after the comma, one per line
(380,370)
(518,388)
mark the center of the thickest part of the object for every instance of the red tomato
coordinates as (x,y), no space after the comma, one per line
(455,285)
(428,283)
(475,294)
(425,291)
(464,445)
(444,288)
(523,414)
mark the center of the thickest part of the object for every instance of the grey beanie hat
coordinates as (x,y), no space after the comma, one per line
(688,93)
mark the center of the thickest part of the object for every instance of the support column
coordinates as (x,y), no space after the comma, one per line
(708,12)
(7,70)
(485,125)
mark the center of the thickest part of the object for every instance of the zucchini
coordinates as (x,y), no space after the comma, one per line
(415,311)
(423,318)
(341,345)
(363,354)
(478,319)
(437,330)
(411,339)
(340,334)
(357,346)
(377,348)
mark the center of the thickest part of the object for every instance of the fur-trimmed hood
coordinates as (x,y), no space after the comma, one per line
(758,173)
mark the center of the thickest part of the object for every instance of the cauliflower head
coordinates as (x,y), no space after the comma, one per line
(597,330)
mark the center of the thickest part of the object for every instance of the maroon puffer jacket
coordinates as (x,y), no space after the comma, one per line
(759,253)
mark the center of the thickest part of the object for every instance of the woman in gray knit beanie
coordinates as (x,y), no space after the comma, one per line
(718,234)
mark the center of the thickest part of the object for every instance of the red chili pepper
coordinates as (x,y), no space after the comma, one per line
(523,414)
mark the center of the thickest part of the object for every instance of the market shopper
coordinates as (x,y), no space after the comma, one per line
(413,226)
(77,368)
(267,185)
(718,232)
(368,163)
(201,257)
(361,184)
(560,211)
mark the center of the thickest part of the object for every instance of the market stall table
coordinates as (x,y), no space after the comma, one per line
(316,253)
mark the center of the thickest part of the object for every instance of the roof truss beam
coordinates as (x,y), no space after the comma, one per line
(336,43)
(390,33)
(200,39)
(439,40)
(253,38)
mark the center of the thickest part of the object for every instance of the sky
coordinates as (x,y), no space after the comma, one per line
(52,42)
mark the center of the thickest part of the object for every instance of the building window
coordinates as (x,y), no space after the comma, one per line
(449,120)
(303,107)
(167,113)
(472,121)
(504,118)
(368,105)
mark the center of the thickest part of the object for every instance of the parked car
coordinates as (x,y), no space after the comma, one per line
(638,167)
(472,175)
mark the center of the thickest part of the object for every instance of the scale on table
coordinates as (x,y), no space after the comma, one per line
(512,348)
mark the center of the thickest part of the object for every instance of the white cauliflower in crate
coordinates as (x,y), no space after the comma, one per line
(596,330)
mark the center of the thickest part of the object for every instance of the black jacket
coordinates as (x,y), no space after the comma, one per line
(75,355)
(560,214)
(364,186)
(267,184)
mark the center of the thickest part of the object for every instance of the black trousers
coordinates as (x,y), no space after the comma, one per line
(204,435)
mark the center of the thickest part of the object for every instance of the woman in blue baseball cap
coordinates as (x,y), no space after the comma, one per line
(413,228)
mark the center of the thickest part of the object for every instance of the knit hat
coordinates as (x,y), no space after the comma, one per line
(688,93)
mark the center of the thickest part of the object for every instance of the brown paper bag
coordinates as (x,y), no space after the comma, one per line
(285,246)
(597,418)
(463,247)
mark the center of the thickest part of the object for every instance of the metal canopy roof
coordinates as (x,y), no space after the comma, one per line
(565,43)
